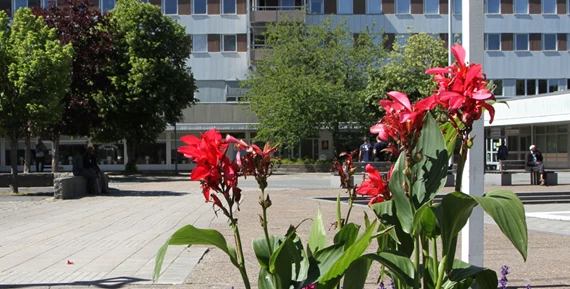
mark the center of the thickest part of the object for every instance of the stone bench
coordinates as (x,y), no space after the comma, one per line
(505,178)
(73,187)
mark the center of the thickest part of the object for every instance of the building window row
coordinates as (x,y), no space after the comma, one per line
(552,138)
(536,86)
(527,6)
(202,43)
(168,7)
(526,42)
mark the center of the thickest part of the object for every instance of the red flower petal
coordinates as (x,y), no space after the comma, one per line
(402,98)
(437,70)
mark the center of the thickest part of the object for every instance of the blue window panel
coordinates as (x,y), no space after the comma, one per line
(374,7)
(493,6)
(20,4)
(170,7)
(457,6)
(549,42)
(431,6)
(549,6)
(521,6)
(108,5)
(402,6)
(317,7)
(200,7)
(345,7)
(521,42)
(229,7)
(493,42)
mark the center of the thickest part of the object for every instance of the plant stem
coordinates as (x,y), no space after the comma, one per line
(417,257)
(440,272)
(434,258)
(349,209)
(241,259)
(460,167)
(264,222)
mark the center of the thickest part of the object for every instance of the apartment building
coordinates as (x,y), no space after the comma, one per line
(526,56)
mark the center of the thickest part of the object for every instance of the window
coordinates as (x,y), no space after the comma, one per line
(493,6)
(521,42)
(170,7)
(548,6)
(457,38)
(20,4)
(402,6)
(493,42)
(199,7)
(542,86)
(497,86)
(229,6)
(6,6)
(229,43)
(552,138)
(431,6)
(200,43)
(549,42)
(530,87)
(552,85)
(34,3)
(521,87)
(521,6)
(107,5)
(374,7)
(458,7)
(345,7)
(317,6)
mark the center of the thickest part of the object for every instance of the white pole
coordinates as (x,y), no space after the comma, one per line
(472,235)
(449,54)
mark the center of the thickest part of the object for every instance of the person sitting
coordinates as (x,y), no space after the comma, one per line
(379,148)
(534,163)
(90,162)
(80,171)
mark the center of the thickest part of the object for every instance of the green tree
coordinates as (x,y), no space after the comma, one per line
(405,69)
(150,82)
(34,77)
(311,79)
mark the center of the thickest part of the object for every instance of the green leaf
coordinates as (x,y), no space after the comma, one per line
(190,235)
(424,222)
(452,214)
(351,254)
(486,278)
(280,264)
(431,171)
(325,259)
(347,235)
(265,279)
(261,250)
(317,235)
(450,137)
(399,264)
(508,212)
(402,204)
(355,275)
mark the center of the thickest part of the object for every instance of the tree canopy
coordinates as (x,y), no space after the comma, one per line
(150,82)
(405,69)
(311,78)
(34,76)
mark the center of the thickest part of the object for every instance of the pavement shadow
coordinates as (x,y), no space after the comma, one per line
(131,193)
(148,179)
(115,282)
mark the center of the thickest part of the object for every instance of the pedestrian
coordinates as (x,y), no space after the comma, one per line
(365,153)
(379,148)
(39,155)
(80,171)
(90,162)
(502,152)
(534,163)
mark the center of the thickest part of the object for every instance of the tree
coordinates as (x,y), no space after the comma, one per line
(34,77)
(76,22)
(150,82)
(311,79)
(405,69)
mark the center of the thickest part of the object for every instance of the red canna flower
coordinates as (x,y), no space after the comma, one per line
(375,187)
(255,162)
(402,120)
(462,90)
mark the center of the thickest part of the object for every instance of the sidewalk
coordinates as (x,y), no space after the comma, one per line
(112,240)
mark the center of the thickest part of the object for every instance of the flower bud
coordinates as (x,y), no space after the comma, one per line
(469,143)
(418,157)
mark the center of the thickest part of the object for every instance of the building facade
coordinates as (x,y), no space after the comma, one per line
(526,56)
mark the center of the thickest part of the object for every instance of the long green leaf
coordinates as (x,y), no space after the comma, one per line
(317,235)
(401,202)
(265,279)
(450,137)
(507,210)
(351,254)
(424,222)
(486,278)
(355,276)
(325,259)
(453,213)
(280,264)
(347,235)
(261,250)
(399,264)
(190,235)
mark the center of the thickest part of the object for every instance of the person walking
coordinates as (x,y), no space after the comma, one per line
(39,155)
(534,163)
(365,153)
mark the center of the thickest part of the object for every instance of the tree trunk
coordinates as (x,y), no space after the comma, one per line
(14,163)
(131,165)
(27,154)
(55,154)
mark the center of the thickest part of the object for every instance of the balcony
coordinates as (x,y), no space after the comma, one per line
(261,14)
